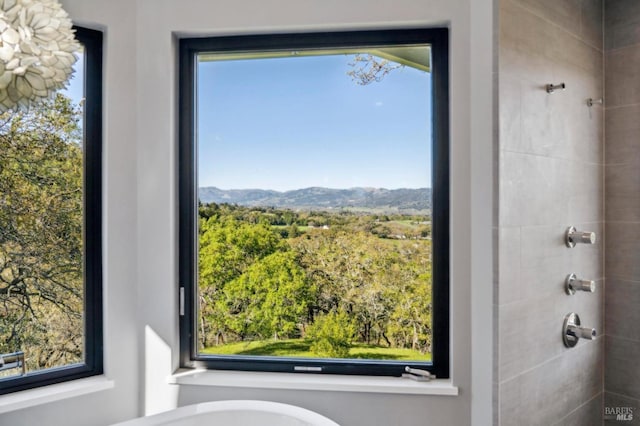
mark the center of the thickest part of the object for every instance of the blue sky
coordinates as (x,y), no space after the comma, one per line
(290,123)
(75,89)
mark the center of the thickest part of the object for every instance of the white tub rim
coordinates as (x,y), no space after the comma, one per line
(231,405)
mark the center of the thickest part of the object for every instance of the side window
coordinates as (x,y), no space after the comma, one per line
(50,232)
(314,202)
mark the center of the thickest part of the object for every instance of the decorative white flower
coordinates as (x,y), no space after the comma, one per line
(37,46)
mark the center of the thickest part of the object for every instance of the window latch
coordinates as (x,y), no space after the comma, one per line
(181,308)
(417,374)
(12,360)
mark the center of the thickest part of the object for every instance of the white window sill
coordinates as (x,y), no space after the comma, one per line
(43,395)
(318,382)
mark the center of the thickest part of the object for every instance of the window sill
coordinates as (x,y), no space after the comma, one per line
(317,382)
(46,394)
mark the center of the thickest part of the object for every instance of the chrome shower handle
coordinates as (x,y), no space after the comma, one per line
(573,237)
(582,332)
(573,284)
(572,331)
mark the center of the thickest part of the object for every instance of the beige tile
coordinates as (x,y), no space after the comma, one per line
(544,395)
(586,137)
(623,208)
(622,135)
(585,199)
(542,243)
(622,251)
(561,124)
(622,20)
(529,335)
(544,191)
(541,273)
(622,309)
(524,44)
(533,190)
(622,179)
(541,52)
(509,113)
(588,414)
(592,23)
(533,121)
(509,265)
(569,50)
(622,76)
(546,124)
(621,366)
(620,208)
(622,183)
(564,13)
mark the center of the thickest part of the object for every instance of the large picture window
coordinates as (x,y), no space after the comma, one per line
(50,232)
(314,206)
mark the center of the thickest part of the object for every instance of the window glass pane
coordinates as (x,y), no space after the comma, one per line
(314,183)
(41,233)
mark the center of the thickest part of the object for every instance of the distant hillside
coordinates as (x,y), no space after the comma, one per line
(323,198)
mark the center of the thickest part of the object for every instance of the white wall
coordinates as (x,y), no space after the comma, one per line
(141,264)
(120,201)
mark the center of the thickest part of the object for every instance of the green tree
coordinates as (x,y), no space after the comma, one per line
(293,231)
(228,248)
(382,285)
(270,299)
(410,319)
(41,217)
(331,334)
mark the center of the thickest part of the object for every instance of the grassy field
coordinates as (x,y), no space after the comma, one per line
(300,348)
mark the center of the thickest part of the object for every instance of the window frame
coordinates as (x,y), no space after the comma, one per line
(92,231)
(189,48)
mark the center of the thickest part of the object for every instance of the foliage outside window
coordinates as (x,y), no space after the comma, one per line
(285,273)
(50,232)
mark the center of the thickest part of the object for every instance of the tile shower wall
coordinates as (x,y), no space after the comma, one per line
(622,188)
(550,177)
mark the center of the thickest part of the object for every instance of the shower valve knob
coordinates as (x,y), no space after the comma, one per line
(572,331)
(573,284)
(574,237)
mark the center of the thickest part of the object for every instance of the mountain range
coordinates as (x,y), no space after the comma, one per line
(403,199)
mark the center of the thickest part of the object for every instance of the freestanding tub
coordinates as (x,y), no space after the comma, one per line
(234,413)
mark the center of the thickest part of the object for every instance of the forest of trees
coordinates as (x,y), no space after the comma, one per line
(41,286)
(332,279)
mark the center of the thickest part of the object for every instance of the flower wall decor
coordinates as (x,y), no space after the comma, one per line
(37,46)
